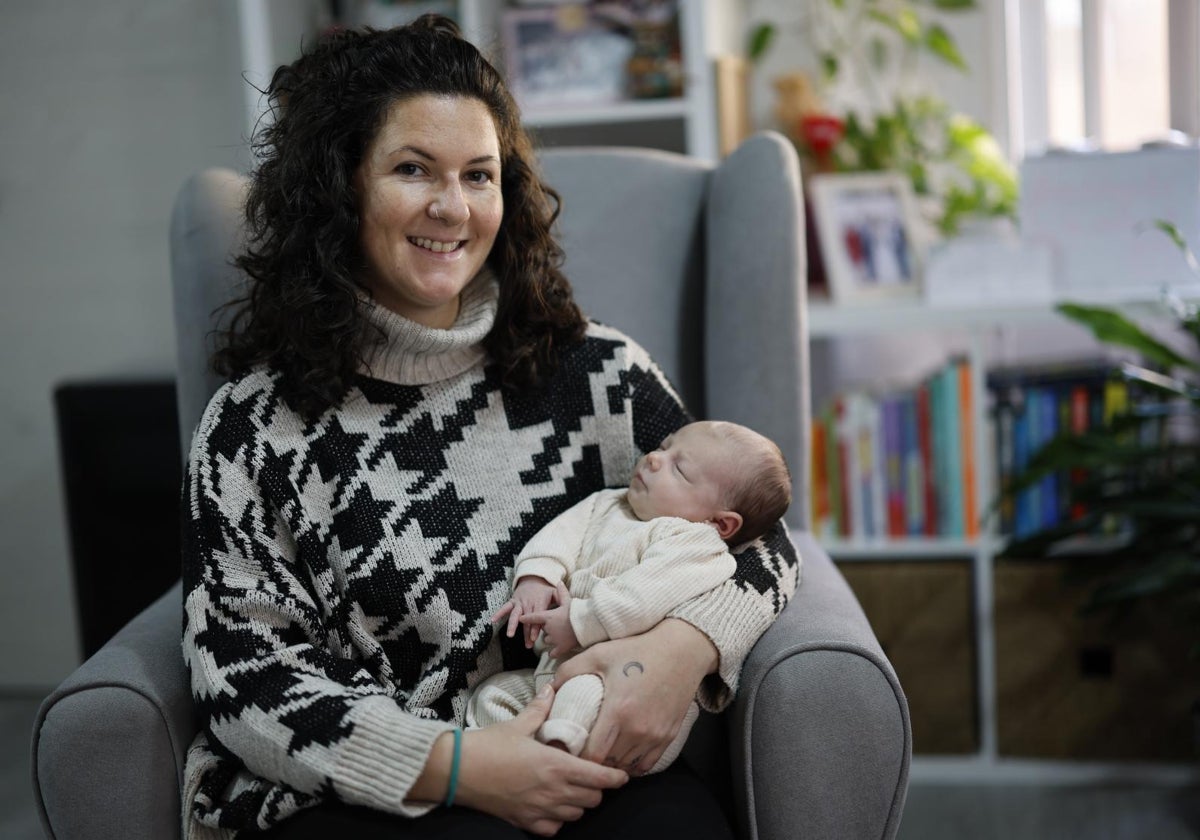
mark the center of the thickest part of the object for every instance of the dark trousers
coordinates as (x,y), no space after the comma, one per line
(674,803)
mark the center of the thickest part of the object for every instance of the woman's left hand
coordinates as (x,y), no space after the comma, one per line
(649,680)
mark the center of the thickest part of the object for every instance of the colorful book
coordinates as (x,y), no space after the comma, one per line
(925,443)
(914,483)
(966,414)
(820,510)
(891,408)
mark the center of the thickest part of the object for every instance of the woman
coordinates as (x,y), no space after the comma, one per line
(413,395)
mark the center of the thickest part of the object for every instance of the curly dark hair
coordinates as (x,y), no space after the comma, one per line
(302,313)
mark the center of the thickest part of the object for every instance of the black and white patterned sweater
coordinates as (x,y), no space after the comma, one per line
(339,574)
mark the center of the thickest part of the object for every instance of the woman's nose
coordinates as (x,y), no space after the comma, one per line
(450,205)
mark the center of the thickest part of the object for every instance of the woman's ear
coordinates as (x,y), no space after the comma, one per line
(727,523)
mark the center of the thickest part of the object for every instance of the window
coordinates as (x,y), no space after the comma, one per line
(1112,74)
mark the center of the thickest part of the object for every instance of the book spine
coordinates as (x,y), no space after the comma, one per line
(949,451)
(1048,430)
(1023,519)
(893,445)
(836,468)
(914,490)
(925,441)
(966,415)
(819,477)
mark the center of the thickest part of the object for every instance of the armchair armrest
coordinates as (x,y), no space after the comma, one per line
(819,734)
(109,743)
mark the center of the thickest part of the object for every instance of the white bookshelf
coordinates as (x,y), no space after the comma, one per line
(981,325)
(271,31)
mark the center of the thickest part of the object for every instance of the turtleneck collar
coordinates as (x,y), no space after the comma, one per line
(412,354)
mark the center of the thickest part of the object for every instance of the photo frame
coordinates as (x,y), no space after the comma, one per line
(866,226)
(562,56)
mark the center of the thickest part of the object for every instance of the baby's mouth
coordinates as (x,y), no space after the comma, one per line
(435,246)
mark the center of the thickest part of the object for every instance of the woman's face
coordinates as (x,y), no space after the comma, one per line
(429,204)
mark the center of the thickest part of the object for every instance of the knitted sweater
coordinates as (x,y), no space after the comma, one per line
(339,574)
(624,574)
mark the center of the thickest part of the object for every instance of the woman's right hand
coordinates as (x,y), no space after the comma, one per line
(505,772)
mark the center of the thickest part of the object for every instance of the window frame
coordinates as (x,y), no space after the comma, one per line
(1021,112)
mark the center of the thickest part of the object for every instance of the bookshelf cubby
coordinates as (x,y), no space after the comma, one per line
(1039,688)
(271,34)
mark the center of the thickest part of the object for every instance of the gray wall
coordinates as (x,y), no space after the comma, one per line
(105,108)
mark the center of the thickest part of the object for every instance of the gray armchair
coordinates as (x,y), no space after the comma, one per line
(705,267)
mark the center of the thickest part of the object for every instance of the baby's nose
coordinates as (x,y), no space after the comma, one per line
(652,460)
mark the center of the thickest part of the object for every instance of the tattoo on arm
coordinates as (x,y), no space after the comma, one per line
(632,665)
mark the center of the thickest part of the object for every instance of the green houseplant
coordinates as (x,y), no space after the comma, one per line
(1140,475)
(869,53)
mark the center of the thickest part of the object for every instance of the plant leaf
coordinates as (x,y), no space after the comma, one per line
(954,5)
(941,44)
(905,23)
(1112,327)
(829,66)
(761,38)
(1180,242)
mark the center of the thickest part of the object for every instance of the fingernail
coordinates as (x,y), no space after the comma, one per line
(545,692)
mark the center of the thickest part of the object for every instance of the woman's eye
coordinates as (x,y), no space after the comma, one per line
(479,177)
(408,169)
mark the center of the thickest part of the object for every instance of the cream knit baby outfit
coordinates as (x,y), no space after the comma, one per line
(625,575)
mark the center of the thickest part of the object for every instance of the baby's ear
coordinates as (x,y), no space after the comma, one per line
(727,523)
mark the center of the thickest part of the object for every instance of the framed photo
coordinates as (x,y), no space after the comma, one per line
(562,56)
(866,224)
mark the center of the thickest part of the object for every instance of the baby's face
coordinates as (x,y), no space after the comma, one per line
(684,477)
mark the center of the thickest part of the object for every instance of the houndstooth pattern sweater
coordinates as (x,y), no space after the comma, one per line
(339,574)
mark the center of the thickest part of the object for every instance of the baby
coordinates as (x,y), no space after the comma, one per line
(618,562)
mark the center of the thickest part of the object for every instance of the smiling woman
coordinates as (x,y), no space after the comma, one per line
(430,205)
(413,394)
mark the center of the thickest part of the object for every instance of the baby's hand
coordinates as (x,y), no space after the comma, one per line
(532,594)
(556,624)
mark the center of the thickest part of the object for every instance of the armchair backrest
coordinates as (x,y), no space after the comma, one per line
(703,265)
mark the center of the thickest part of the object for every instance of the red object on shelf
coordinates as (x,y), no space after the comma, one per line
(820,133)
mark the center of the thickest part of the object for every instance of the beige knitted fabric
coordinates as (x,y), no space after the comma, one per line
(624,576)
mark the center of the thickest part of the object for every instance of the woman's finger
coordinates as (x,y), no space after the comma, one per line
(544,828)
(535,713)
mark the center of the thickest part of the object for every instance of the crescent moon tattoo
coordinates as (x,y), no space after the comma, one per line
(629,666)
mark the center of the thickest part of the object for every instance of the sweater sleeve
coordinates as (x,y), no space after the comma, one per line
(553,552)
(683,560)
(735,614)
(273,686)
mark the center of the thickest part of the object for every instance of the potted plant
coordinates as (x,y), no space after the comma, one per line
(1136,479)
(868,53)
(1142,470)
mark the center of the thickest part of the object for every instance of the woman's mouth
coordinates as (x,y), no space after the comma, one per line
(435,246)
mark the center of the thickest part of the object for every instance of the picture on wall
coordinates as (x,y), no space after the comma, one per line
(866,226)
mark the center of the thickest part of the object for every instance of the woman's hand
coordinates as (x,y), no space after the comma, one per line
(649,680)
(506,773)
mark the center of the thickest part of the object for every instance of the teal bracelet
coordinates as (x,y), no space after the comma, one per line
(453,787)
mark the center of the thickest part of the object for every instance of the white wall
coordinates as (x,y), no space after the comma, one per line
(104,111)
